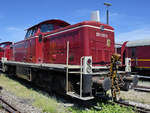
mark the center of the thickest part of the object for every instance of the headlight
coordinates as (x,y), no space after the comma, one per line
(89,61)
(89,69)
(87,65)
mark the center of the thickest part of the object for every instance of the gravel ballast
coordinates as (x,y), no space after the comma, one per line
(23,105)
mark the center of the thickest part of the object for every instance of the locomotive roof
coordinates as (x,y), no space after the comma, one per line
(6,43)
(60,22)
(145,42)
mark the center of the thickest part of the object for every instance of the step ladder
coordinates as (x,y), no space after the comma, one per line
(75,70)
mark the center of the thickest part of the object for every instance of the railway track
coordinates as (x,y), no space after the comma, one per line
(144,77)
(8,107)
(142,88)
(11,109)
(139,109)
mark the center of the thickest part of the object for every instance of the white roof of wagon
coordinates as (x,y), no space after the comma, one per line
(135,43)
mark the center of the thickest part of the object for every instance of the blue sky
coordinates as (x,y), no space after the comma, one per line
(130,18)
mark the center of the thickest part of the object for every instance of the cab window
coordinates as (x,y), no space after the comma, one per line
(3,45)
(46,27)
(34,31)
(28,34)
(31,32)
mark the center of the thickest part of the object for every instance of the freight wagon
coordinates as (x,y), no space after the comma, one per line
(139,53)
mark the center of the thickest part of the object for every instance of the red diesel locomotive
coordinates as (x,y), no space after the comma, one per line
(5,50)
(85,39)
(77,60)
(138,51)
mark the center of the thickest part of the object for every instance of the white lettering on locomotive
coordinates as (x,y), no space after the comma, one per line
(101,35)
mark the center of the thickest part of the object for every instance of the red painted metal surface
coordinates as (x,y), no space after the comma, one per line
(1,52)
(140,56)
(5,50)
(88,38)
(83,42)
(123,48)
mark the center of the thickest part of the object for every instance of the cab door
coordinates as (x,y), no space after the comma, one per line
(27,45)
(30,46)
(134,57)
(38,46)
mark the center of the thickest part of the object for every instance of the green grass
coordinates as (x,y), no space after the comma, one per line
(1,107)
(40,100)
(50,104)
(105,108)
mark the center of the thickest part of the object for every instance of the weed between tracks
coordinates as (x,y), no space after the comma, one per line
(137,96)
(1,107)
(105,108)
(50,104)
(144,83)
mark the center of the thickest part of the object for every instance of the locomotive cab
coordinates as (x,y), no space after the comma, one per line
(45,27)
(31,48)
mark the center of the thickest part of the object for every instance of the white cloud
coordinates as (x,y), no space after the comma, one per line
(137,34)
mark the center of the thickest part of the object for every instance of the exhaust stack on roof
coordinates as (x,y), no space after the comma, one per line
(95,16)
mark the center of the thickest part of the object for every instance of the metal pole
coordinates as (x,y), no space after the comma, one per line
(107,12)
(107,16)
(81,69)
(67,67)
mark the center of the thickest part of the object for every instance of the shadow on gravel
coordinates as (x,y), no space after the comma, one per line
(29,85)
(67,101)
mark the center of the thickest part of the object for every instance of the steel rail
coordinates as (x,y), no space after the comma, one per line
(9,108)
(142,88)
(146,87)
(139,109)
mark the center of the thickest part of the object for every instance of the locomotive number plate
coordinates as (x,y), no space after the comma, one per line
(101,35)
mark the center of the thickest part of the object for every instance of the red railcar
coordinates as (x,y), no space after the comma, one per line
(5,50)
(139,53)
(70,59)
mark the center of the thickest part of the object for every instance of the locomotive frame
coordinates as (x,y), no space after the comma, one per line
(74,70)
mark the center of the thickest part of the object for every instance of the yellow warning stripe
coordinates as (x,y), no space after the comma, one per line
(142,67)
(140,60)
